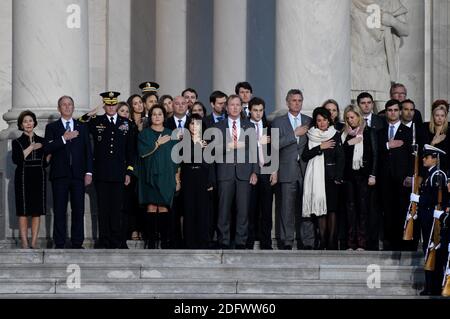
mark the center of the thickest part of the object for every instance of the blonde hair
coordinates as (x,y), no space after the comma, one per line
(355,109)
(432,126)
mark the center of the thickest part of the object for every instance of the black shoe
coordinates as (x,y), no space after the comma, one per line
(287,247)
(240,247)
(59,247)
(222,246)
(307,248)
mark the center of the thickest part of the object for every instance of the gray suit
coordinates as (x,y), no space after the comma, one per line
(233,181)
(290,176)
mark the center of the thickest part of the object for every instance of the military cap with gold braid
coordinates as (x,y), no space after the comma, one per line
(149,87)
(110,97)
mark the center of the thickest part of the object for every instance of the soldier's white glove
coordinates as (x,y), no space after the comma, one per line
(414,198)
(437,213)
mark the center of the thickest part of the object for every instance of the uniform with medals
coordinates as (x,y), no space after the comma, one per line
(113,158)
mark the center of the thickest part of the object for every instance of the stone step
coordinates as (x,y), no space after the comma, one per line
(210,257)
(235,272)
(206,296)
(206,286)
(387,273)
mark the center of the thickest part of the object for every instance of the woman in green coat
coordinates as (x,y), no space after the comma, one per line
(158,177)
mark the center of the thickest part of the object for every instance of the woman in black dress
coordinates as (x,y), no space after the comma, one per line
(324,172)
(30,177)
(197,182)
(360,149)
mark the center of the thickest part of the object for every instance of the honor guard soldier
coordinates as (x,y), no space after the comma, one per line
(433,190)
(445,255)
(113,155)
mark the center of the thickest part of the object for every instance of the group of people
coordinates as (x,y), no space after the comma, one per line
(339,184)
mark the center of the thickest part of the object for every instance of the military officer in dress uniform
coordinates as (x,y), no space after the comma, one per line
(427,202)
(113,156)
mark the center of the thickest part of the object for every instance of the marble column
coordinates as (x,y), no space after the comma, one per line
(50,58)
(119,47)
(170,46)
(230,44)
(313,51)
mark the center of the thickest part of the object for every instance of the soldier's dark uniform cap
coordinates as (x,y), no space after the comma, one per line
(149,87)
(110,97)
(431,150)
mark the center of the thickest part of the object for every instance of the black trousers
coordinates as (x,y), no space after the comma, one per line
(260,213)
(357,194)
(63,188)
(109,202)
(395,204)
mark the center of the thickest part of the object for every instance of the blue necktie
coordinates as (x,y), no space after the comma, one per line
(179,124)
(391,132)
(68,126)
(220,118)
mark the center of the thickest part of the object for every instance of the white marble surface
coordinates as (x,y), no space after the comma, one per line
(50,59)
(230,44)
(313,51)
(5,58)
(97,50)
(170,65)
(119,47)
(412,54)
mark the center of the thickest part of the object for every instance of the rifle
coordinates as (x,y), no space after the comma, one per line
(411,214)
(435,235)
(446,283)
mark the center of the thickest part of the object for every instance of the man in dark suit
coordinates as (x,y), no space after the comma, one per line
(177,122)
(261,198)
(217,99)
(292,131)
(70,172)
(245,92)
(235,172)
(113,165)
(398,92)
(366,104)
(179,118)
(395,171)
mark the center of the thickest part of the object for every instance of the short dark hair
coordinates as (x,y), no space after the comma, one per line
(157,106)
(190,90)
(438,103)
(216,95)
(407,101)
(22,117)
(256,101)
(364,95)
(392,103)
(244,85)
(147,95)
(195,117)
(293,92)
(164,97)
(322,112)
(202,105)
(65,97)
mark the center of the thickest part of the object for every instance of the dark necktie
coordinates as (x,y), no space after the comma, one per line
(68,126)
(112,120)
(179,124)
